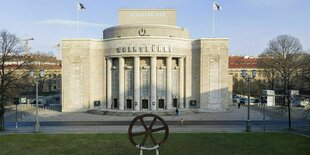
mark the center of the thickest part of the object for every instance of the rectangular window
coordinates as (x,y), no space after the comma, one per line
(129,82)
(161,82)
(175,82)
(115,82)
(145,76)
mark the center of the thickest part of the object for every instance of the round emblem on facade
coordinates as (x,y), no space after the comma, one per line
(142,32)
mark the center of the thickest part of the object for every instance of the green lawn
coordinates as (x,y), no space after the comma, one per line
(177,143)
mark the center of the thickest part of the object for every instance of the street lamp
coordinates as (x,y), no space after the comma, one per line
(37,80)
(248,78)
(16,102)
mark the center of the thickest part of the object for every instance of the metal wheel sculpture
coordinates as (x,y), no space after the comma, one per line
(148,131)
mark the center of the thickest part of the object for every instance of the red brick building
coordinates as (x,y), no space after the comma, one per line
(237,63)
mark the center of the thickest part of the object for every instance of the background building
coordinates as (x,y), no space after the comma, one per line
(145,63)
(238,63)
(52,69)
(19,68)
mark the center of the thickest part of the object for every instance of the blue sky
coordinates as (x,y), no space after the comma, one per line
(249,24)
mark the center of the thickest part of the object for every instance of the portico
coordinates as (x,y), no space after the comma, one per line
(145,83)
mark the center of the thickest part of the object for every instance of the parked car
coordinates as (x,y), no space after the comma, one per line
(296,101)
(46,105)
(253,101)
(305,102)
(41,101)
(236,99)
(243,100)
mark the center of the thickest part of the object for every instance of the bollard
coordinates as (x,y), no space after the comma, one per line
(181,122)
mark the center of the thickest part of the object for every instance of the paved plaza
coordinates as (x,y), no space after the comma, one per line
(233,113)
(46,115)
(233,120)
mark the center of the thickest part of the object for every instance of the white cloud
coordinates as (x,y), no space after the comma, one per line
(64,22)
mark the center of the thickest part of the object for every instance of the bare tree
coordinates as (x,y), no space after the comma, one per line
(303,83)
(283,55)
(270,73)
(305,74)
(11,62)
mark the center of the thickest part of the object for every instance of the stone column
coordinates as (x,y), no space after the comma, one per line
(188,78)
(109,83)
(121,83)
(137,83)
(169,79)
(153,83)
(104,86)
(181,77)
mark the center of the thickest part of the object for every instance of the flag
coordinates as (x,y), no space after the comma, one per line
(216,6)
(81,7)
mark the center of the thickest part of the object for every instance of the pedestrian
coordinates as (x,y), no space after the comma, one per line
(238,105)
(177,112)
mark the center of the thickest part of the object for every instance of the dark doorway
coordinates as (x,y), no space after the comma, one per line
(161,103)
(175,102)
(129,103)
(115,104)
(145,104)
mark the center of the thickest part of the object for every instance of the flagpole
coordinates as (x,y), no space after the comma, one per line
(78,18)
(213,19)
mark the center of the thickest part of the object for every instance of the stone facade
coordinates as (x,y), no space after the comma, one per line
(149,66)
(147,16)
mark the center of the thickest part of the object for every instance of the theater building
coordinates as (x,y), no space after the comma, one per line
(146,63)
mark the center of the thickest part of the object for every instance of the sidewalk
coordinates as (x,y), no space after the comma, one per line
(49,115)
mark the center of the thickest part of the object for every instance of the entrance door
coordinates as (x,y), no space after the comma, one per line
(175,102)
(129,103)
(161,103)
(145,104)
(115,104)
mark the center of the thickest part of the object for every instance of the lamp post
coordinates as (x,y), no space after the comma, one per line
(16,100)
(248,78)
(37,80)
